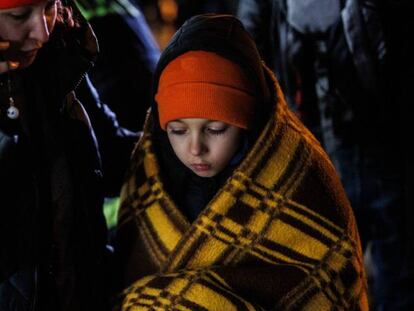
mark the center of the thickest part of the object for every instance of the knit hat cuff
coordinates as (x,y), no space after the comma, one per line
(207,101)
(9,4)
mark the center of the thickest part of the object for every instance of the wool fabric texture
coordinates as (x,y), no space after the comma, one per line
(8,4)
(200,84)
(279,235)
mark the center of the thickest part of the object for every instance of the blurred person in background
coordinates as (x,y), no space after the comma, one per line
(344,67)
(188,8)
(128,54)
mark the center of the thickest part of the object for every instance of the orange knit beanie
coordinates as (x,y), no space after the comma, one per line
(8,4)
(200,84)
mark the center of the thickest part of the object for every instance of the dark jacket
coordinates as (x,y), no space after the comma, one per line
(128,55)
(336,61)
(52,229)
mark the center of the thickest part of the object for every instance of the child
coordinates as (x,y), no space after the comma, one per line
(230,203)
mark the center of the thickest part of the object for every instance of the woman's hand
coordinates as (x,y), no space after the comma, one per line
(6,65)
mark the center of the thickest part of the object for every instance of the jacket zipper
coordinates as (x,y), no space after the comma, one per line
(35,292)
(36,268)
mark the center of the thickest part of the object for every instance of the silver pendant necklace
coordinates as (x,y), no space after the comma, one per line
(12,111)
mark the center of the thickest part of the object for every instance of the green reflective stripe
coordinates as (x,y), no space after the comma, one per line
(97,8)
(85,12)
(111,207)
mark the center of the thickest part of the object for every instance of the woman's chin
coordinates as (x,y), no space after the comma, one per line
(26,62)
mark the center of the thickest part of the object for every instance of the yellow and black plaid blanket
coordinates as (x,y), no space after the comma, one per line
(279,235)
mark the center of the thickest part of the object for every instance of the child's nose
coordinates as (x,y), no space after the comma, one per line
(197,147)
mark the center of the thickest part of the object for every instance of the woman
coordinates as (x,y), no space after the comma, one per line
(230,203)
(52,229)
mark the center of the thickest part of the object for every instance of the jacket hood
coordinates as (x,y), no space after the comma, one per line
(225,36)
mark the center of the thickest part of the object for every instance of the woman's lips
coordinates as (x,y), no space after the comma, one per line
(201,167)
(30,53)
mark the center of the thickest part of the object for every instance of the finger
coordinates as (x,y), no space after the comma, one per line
(6,66)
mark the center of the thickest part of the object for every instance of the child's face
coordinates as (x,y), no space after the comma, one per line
(204,146)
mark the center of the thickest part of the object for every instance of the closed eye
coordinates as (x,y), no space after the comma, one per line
(20,16)
(216,131)
(177,131)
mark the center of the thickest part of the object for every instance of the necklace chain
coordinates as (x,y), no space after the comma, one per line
(12,111)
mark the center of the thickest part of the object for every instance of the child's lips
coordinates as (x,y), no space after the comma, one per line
(200,167)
